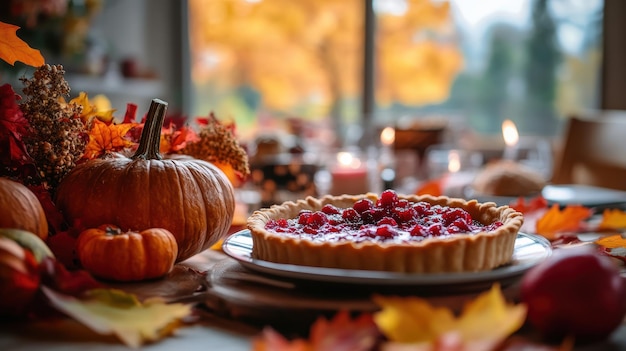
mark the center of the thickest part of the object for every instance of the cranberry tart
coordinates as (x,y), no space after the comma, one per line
(412,234)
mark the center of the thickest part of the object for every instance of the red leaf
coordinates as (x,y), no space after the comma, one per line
(53,215)
(131,113)
(13,125)
(55,276)
(533,204)
(63,246)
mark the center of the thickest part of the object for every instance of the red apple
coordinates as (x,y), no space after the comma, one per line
(576,292)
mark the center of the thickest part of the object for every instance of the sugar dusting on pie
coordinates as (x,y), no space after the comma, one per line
(390,232)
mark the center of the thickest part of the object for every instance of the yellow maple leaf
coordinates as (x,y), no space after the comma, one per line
(613,219)
(412,320)
(558,221)
(105,138)
(97,109)
(484,322)
(612,241)
(12,48)
(110,311)
(489,319)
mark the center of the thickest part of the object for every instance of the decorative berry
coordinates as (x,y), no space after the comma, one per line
(330,209)
(386,231)
(351,215)
(317,220)
(387,221)
(388,199)
(363,205)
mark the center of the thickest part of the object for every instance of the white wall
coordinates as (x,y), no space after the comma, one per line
(150,31)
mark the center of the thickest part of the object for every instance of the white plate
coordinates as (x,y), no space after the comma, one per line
(577,194)
(529,250)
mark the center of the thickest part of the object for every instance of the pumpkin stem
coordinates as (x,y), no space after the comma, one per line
(150,141)
(110,230)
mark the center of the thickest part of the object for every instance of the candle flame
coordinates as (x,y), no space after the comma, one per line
(388,136)
(454,162)
(348,160)
(509,132)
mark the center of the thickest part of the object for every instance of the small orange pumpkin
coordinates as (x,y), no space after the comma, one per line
(108,253)
(21,209)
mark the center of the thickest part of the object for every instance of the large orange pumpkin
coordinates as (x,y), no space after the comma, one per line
(191,198)
(20,209)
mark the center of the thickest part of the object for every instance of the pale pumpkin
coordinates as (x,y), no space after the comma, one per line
(107,252)
(191,198)
(20,209)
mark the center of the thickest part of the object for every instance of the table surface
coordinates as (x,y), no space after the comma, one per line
(211,331)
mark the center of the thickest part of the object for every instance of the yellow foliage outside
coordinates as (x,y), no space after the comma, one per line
(295,52)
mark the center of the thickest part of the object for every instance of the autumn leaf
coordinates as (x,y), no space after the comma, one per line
(91,110)
(174,140)
(613,219)
(412,320)
(432,187)
(557,221)
(488,320)
(340,333)
(131,112)
(110,311)
(612,241)
(525,206)
(13,125)
(105,138)
(614,246)
(12,48)
(483,324)
(271,340)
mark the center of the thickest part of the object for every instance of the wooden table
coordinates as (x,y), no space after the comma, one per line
(230,328)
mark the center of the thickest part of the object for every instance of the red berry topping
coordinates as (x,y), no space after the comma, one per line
(351,215)
(363,205)
(388,199)
(317,219)
(388,218)
(330,209)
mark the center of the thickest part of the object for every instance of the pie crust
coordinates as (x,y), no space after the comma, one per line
(452,253)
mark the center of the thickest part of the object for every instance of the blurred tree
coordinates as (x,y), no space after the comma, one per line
(309,52)
(543,59)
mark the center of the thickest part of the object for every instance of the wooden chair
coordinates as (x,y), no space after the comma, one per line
(594,151)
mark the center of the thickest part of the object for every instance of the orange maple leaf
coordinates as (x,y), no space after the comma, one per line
(105,138)
(12,48)
(556,221)
(340,333)
(613,219)
(612,241)
(432,187)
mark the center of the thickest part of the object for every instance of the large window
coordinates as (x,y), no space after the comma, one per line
(264,62)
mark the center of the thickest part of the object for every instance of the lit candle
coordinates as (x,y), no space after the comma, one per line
(454,161)
(387,158)
(388,137)
(511,139)
(458,176)
(349,175)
